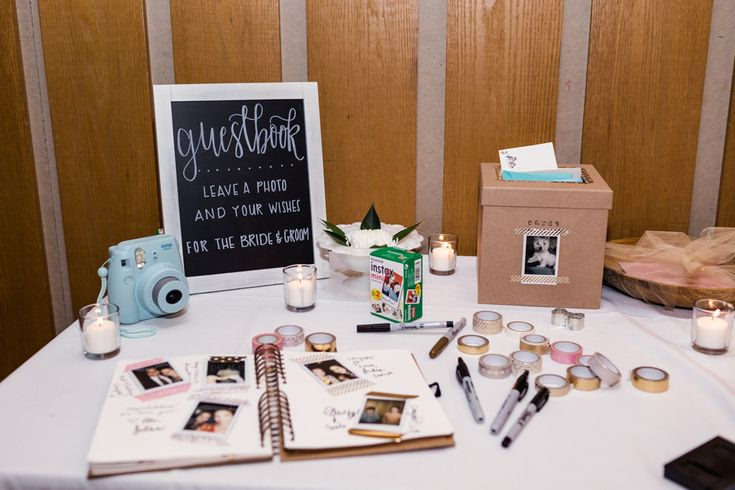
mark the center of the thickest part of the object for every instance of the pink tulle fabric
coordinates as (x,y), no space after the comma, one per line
(676,259)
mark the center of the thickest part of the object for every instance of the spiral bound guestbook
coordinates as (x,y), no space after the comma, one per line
(202,410)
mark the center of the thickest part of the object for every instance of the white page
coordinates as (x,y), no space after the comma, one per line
(528,158)
(321,420)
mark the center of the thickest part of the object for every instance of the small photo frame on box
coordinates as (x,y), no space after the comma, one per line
(541,255)
(382,415)
(223,371)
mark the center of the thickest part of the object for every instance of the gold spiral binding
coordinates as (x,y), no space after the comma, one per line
(274,412)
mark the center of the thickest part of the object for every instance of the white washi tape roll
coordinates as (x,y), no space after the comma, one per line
(495,366)
(525,360)
(519,329)
(604,369)
(293,335)
(487,322)
(557,385)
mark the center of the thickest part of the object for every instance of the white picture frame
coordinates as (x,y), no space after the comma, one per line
(165,95)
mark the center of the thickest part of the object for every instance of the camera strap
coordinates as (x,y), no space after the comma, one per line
(127,332)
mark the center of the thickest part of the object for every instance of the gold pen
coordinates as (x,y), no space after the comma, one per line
(447,337)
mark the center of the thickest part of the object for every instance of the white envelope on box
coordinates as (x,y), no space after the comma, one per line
(531,158)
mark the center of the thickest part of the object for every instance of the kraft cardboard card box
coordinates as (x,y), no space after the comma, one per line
(395,284)
(542,243)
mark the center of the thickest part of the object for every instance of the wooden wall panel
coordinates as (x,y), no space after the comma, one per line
(221,42)
(100,102)
(726,205)
(644,94)
(363,54)
(501,92)
(26,317)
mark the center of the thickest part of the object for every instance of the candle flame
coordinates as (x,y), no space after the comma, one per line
(300,277)
(441,237)
(716,314)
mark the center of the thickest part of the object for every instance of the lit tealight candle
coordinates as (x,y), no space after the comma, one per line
(712,322)
(100,336)
(442,253)
(300,291)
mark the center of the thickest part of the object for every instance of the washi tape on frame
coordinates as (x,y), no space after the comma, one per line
(519,329)
(650,379)
(293,335)
(582,378)
(604,369)
(267,338)
(565,352)
(321,342)
(473,344)
(525,360)
(535,343)
(557,385)
(487,322)
(496,366)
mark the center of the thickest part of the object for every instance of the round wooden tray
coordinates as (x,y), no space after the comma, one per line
(657,292)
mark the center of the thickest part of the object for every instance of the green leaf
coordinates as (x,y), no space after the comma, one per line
(337,238)
(371,220)
(405,232)
(334,229)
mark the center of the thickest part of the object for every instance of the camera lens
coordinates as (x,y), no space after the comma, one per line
(173,296)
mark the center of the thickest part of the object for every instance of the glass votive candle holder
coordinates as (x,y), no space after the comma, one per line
(100,329)
(442,254)
(712,321)
(299,287)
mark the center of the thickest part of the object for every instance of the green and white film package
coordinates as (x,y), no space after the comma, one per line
(395,284)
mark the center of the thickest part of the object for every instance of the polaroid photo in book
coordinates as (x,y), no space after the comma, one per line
(156,378)
(209,422)
(383,415)
(225,372)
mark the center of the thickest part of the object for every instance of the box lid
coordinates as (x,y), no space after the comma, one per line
(594,193)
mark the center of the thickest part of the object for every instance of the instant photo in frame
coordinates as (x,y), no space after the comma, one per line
(242,180)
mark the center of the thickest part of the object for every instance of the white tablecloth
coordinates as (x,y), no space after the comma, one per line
(613,438)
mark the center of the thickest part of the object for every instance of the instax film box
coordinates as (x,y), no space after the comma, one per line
(395,284)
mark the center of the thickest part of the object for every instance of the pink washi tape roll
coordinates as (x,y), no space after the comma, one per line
(267,338)
(565,352)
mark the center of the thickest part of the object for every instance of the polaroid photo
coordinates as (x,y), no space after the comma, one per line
(225,371)
(209,422)
(334,376)
(382,415)
(156,378)
(412,297)
(541,256)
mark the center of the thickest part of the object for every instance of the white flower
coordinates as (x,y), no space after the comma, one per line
(370,238)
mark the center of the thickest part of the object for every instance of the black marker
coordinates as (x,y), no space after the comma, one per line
(520,388)
(535,406)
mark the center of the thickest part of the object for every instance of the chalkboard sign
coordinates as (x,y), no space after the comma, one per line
(242,182)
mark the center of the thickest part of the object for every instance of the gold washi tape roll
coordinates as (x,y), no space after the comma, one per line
(535,343)
(650,379)
(582,378)
(557,385)
(519,329)
(495,366)
(473,344)
(487,322)
(525,360)
(321,342)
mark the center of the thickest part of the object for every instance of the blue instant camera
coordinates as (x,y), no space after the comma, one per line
(146,278)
